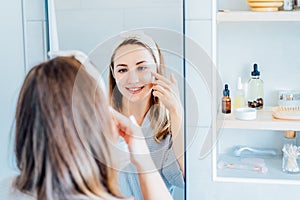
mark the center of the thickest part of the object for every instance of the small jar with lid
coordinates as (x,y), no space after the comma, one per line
(288,4)
(291,153)
(290,137)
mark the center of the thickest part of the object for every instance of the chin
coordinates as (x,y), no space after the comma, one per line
(140,97)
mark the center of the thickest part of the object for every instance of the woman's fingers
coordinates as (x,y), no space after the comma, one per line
(160,89)
(164,79)
(173,80)
(169,90)
(122,124)
(128,128)
(132,134)
(161,77)
(118,117)
(159,95)
(163,84)
(170,85)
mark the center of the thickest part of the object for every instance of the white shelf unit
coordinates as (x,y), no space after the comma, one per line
(274,174)
(264,121)
(248,16)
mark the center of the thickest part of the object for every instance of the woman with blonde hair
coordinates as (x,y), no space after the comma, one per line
(65,138)
(138,87)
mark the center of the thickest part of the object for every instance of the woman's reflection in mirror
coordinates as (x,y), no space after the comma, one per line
(138,86)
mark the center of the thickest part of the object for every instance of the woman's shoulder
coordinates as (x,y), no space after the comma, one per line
(8,192)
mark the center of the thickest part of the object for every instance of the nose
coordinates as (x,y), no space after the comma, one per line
(132,77)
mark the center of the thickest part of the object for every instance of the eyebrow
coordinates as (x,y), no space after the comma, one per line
(125,65)
(121,65)
(143,61)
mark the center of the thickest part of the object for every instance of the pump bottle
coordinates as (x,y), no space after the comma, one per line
(239,97)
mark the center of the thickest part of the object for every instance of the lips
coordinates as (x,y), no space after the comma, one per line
(134,90)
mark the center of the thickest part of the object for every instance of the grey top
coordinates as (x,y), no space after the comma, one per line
(164,159)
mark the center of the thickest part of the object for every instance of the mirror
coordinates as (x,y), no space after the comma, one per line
(94,27)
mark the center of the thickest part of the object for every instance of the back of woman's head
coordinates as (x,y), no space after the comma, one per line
(60,146)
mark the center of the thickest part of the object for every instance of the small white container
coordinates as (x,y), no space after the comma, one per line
(245,113)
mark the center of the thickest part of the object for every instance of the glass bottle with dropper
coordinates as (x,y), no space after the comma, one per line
(255,90)
(226,101)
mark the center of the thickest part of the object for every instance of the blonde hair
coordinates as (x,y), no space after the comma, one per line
(159,115)
(60,146)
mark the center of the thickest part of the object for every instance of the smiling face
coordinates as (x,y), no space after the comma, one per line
(132,69)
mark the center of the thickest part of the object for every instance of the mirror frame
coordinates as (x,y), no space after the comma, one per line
(52,44)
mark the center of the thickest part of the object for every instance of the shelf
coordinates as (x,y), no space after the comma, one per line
(273,175)
(264,121)
(244,16)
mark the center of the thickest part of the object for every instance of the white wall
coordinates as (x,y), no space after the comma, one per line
(22,46)
(12,70)
(198,32)
(34,32)
(83,24)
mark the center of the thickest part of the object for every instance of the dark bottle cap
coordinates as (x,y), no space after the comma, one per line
(226,92)
(255,72)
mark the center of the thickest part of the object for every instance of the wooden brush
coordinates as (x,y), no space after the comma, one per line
(287,112)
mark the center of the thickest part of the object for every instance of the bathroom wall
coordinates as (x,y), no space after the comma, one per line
(22,45)
(198,29)
(12,70)
(83,24)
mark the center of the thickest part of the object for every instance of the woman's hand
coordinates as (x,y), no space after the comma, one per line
(167,91)
(151,184)
(133,136)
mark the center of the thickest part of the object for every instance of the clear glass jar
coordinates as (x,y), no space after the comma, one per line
(290,164)
(288,4)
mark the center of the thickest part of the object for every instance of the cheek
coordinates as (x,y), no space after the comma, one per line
(147,78)
(120,87)
(120,81)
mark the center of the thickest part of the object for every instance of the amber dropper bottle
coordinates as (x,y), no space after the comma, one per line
(226,101)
